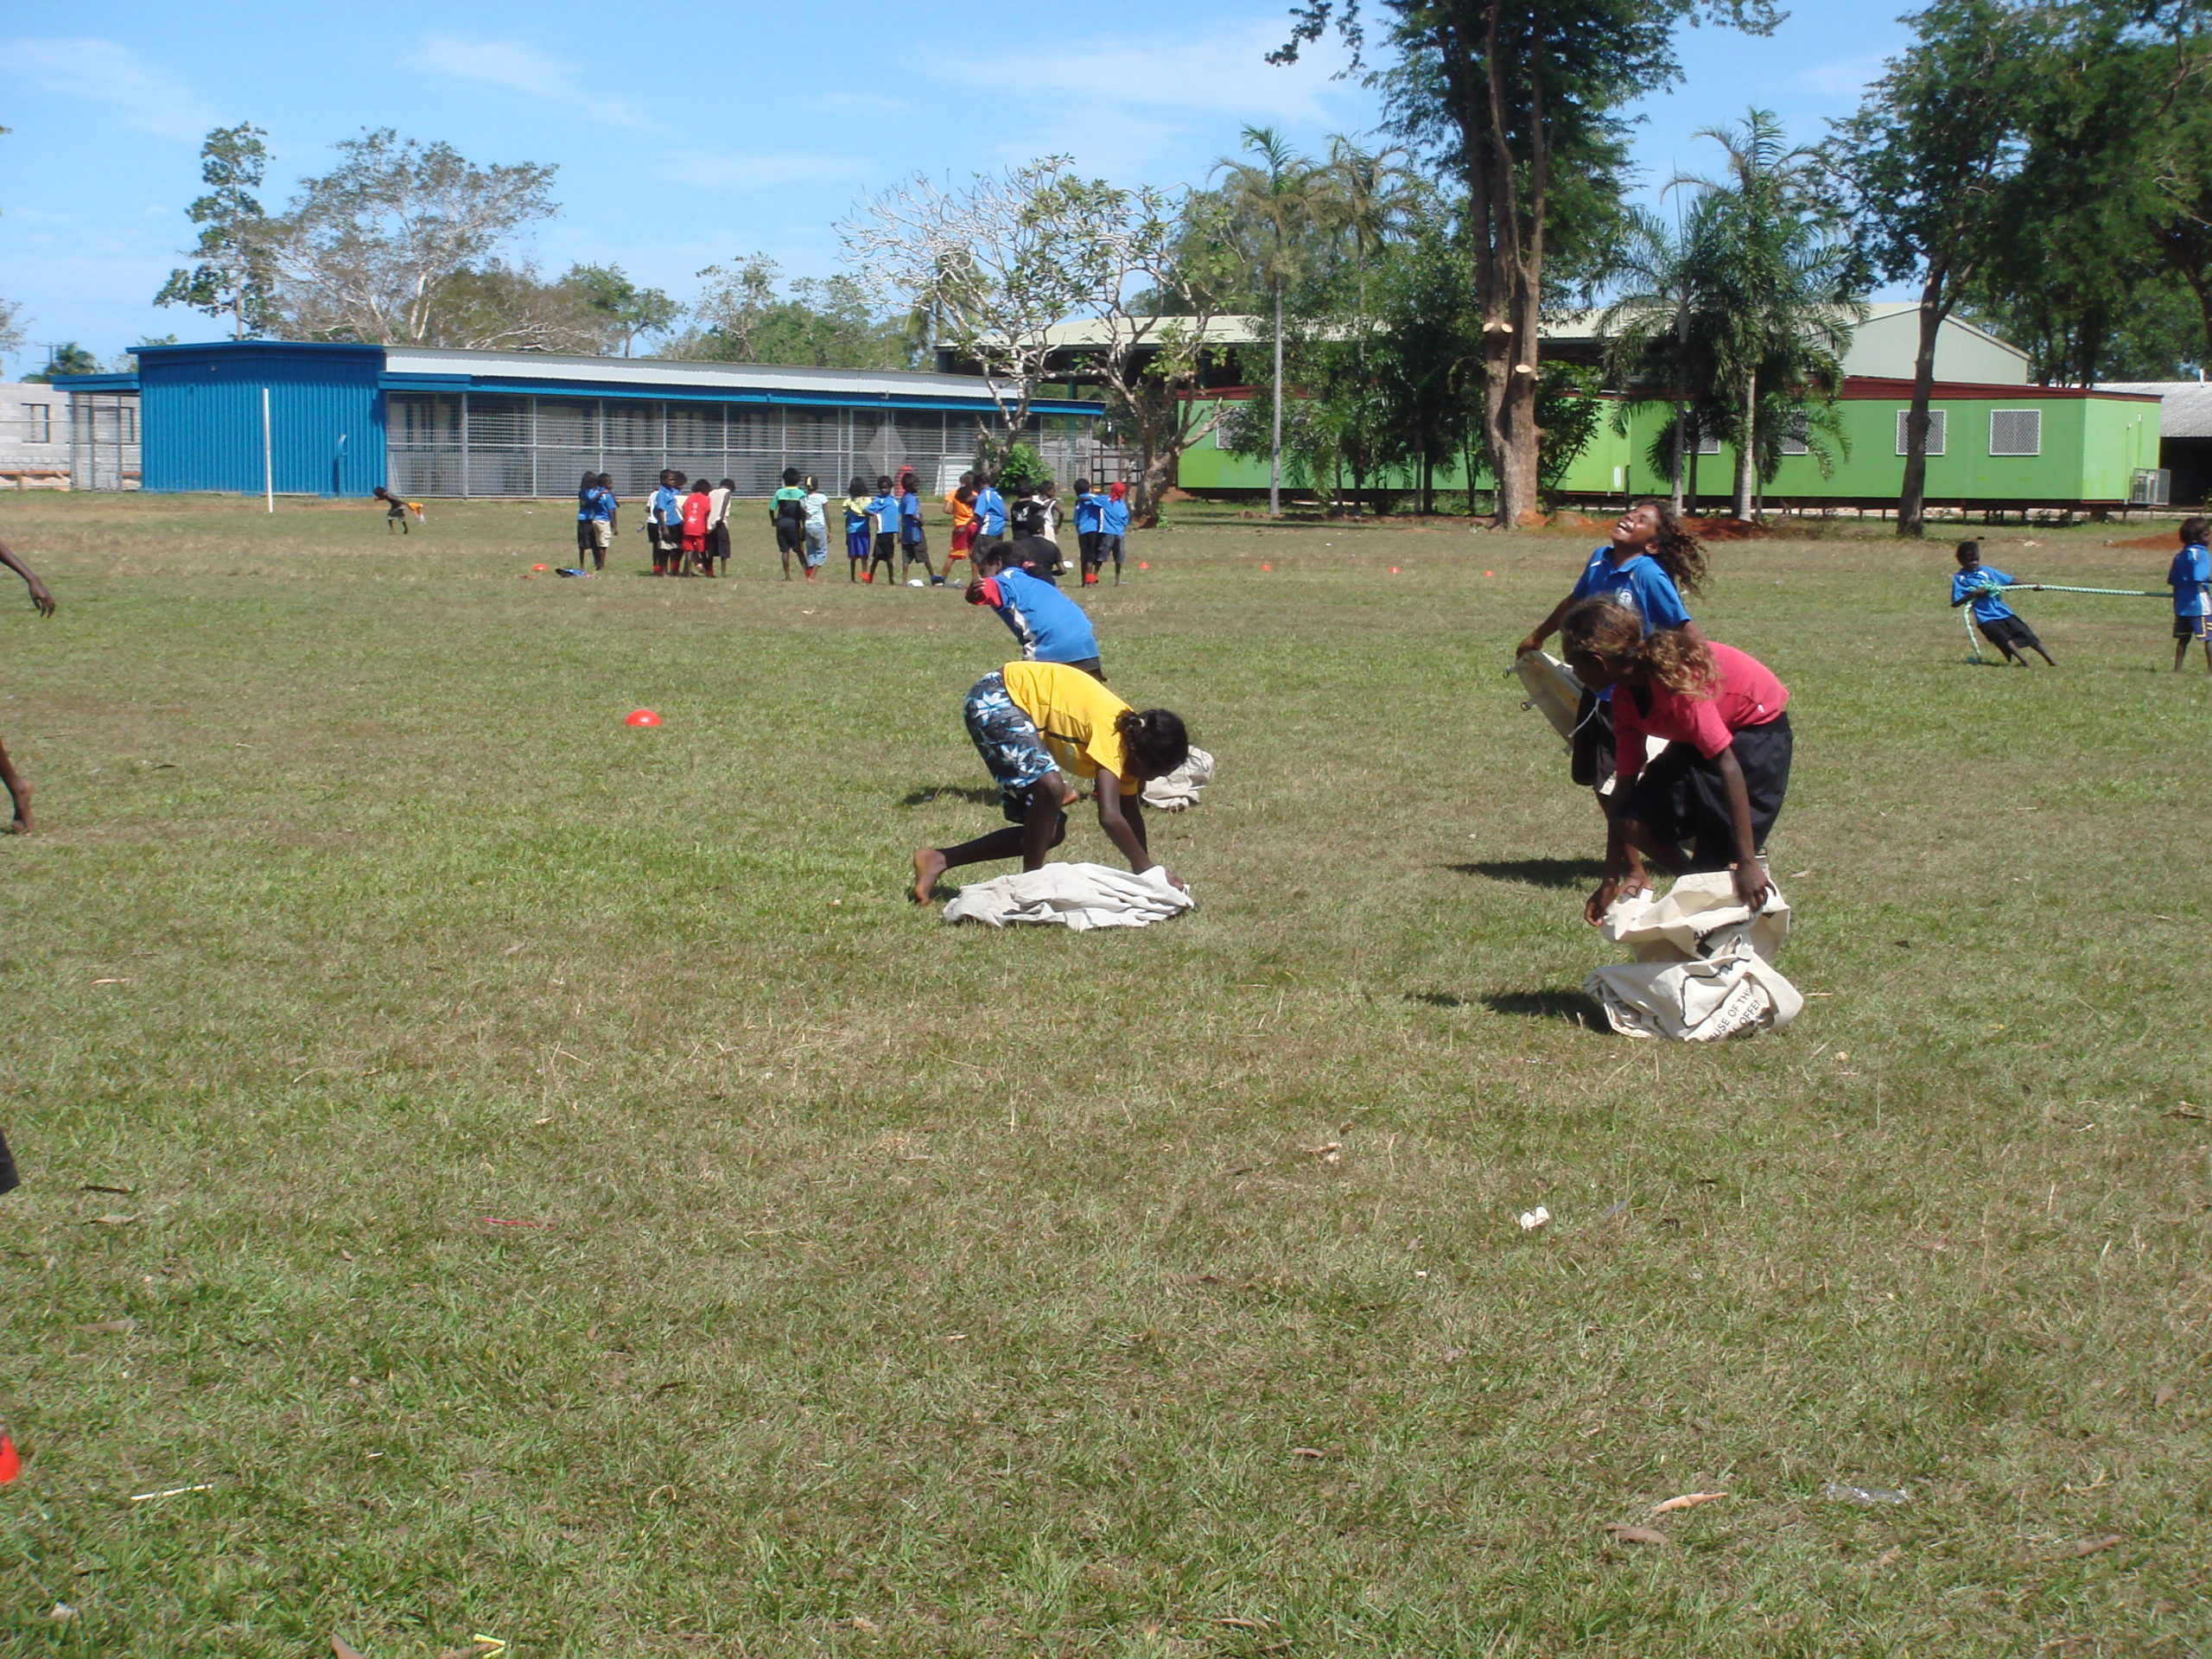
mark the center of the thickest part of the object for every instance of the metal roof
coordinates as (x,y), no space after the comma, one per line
(2184,406)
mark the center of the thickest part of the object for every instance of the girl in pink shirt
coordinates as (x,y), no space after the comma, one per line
(1719,783)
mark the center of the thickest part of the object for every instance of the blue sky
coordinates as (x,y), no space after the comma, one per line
(738,129)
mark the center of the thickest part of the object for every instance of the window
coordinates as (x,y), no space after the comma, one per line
(1935,430)
(1793,438)
(1708,443)
(38,423)
(2015,431)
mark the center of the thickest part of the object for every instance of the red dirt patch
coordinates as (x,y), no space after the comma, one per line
(1726,530)
(2164,542)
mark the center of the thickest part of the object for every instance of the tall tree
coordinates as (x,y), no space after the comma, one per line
(1929,163)
(234,276)
(363,249)
(1769,294)
(824,323)
(1276,199)
(991,262)
(625,310)
(1514,95)
(65,358)
(1653,347)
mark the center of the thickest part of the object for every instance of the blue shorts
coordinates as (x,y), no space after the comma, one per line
(1010,742)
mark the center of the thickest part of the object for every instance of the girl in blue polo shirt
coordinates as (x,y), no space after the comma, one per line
(1650,564)
(2190,577)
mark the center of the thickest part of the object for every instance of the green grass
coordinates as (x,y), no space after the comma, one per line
(906,1289)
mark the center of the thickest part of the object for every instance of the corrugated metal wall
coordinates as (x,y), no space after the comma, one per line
(202,412)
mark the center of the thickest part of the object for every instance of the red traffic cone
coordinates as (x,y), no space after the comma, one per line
(641,717)
(11,1465)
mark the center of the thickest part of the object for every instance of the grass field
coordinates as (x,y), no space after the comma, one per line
(878,1287)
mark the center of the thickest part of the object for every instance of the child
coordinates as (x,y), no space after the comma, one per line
(1050,626)
(397,511)
(664,523)
(596,520)
(960,507)
(1027,517)
(883,519)
(2190,577)
(19,793)
(718,524)
(913,542)
(1037,724)
(1719,783)
(856,533)
(697,511)
(1089,531)
(1114,527)
(817,530)
(1977,584)
(990,513)
(1650,564)
(787,512)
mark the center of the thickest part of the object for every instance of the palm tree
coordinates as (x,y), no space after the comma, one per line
(1770,289)
(1650,333)
(1279,197)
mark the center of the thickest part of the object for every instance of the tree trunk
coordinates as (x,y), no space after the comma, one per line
(1747,449)
(1912,493)
(1681,438)
(1275,437)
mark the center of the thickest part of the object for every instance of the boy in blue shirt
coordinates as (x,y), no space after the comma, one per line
(2190,577)
(883,518)
(665,524)
(1089,531)
(913,542)
(1978,584)
(1050,626)
(990,513)
(1114,527)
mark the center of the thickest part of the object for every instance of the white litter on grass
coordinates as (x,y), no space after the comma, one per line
(1532,1219)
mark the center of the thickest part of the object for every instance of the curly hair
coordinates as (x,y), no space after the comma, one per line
(1603,628)
(1153,740)
(1675,549)
(2193,531)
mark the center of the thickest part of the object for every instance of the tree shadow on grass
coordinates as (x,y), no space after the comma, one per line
(950,791)
(1548,1005)
(1438,999)
(1553,873)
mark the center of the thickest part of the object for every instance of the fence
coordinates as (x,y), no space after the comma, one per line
(104,440)
(486,444)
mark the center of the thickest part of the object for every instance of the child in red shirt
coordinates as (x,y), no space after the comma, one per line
(698,510)
(1718,783)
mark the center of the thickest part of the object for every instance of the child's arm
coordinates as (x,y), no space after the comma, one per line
(1750,878)
(39,598)
(1121,817)
(1624,871)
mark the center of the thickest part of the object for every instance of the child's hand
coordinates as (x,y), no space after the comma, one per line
(41,600)
(1752,885)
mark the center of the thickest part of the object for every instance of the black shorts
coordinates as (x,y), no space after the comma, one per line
(2193,628)
(916,546)
(8,1182)
(791,536)
(984,539)
(718,541)
(1590,748)
(1087,542)
(886,545)
(584,541)
(1091,666)
(2009,631)
(1680,797)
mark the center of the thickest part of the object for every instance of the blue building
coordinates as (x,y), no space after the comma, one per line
(340,420)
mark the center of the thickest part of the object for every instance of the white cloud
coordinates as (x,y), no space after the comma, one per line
(145,100)
(1098,96)
(517,67)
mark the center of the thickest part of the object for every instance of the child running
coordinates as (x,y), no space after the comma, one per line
(960,507)
(1037,724)
(397,511)
(856,531)
(1978,584)
(19,793)
(1650,564)
(1114,527)
(1050,625)
(883,519)
(816,506)
(1718,785)
(787,512)
(913,541)
(2190,577)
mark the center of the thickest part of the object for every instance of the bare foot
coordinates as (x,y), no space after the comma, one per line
(929,864)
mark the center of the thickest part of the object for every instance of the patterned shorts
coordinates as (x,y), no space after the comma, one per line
(1010,742)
